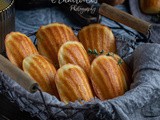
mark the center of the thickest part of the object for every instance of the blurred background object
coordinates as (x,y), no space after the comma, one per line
(7,20)
(28,4)
(83,18)
(112,2)
(150,6)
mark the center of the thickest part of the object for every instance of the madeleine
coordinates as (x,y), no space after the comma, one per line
(42,71)
(107,78)
(125,69)
(51,37)
(18,46)
(99,37)
(73,52)
(150,6)
(73,84)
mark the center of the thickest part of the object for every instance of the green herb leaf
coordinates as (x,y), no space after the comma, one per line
(101,52)
(90,51)
(110,54)
(95,52)
(120,61)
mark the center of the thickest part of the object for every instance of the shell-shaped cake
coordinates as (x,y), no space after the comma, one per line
(107,78)
(42,71)
(125,69)
(18,46)
(99,37)
(51,37)
(72,84)
(73,52)
(150,6)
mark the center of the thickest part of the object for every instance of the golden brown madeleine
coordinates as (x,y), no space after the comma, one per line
(125,69)
(51,37)
(72,84)
(107,78)
(41,71)
(73,52)
(150,6)
(18,46)
(97,36)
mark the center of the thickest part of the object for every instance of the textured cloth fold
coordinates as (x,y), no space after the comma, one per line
(142,101)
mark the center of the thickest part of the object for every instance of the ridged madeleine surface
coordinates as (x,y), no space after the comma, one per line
(107,78)
(73,52)
(18,46)
(99,37)
(72,84)
(51,37)
(41,71)
(125,69)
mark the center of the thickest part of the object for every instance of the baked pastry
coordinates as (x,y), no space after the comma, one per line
(18,46)
(124,68)
(72,84)
(150,6)
(99,37)
(51,37)
(107,78)
(41,71)
(73,52)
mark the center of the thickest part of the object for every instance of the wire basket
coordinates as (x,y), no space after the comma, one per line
(45,106)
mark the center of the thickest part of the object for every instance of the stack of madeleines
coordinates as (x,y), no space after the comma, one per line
(71,67)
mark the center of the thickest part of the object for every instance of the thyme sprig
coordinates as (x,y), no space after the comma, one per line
(110,54)
(120,62)
(96,53)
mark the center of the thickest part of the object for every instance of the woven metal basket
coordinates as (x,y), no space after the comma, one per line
(45,106)
(135,104)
